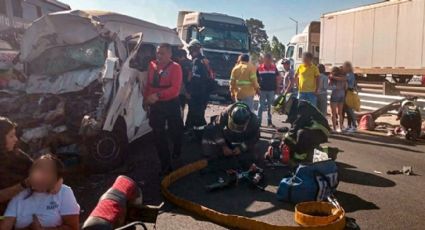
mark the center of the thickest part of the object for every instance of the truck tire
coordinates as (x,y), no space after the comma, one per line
(106,151)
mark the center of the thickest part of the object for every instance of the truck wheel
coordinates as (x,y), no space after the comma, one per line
(106,151)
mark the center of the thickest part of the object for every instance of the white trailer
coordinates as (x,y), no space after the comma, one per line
(307,41)
(385,38)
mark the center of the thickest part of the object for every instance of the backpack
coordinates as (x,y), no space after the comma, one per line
(312,182)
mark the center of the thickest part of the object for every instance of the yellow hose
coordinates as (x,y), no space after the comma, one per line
(227,220)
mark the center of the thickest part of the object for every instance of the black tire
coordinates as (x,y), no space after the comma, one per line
(106,151)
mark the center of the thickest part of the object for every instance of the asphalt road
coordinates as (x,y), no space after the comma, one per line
(376,200)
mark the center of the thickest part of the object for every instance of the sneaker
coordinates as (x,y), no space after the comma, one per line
(338,130)
(347,129)
(352,130)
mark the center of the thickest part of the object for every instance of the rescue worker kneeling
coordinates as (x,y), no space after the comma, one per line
(309,128)
(229,140)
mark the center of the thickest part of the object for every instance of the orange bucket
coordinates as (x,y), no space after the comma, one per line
(315,214)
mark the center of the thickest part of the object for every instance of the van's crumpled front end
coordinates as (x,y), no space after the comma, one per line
(71,75)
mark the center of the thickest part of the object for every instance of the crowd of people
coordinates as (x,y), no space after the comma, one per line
(309,82)
(32,192)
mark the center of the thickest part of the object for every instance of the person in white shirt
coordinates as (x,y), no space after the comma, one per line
(36,208)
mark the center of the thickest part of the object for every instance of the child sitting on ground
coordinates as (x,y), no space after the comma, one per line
(36,208)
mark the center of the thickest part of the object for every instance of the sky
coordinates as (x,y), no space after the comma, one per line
(274,13)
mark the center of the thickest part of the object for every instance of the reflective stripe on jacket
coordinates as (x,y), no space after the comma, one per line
(243,80)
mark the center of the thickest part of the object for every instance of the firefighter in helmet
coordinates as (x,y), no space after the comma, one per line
(197,90)
(309,128)
(231,137)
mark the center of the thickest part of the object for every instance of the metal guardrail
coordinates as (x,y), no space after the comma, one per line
(370,102)
(374,95)
(387,88)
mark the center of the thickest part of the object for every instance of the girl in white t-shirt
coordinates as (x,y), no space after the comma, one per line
(36,208)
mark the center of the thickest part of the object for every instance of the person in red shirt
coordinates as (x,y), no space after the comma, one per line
(161,98)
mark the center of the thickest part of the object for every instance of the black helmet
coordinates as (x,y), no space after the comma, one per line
(239,117)
(283,103)
(194,45)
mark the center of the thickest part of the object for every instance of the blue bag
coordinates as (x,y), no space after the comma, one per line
(312,182)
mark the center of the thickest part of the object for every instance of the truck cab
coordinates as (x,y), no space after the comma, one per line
(307,41)
(223,39)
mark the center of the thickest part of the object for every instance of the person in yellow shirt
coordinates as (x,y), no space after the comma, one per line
(243,82)
(307,78)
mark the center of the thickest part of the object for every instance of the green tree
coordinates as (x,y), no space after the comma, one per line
(266,48)
(277,48)
(258,34)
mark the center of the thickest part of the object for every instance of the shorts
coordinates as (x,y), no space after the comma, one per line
(338,96)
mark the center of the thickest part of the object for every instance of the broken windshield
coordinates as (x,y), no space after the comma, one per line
(63,59)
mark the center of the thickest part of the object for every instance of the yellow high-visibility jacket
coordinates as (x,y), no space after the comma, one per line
(243,80)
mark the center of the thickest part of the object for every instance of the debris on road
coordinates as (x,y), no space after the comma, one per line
(406,170)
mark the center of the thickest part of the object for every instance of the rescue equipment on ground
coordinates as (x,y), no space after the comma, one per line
(254,176)
(278,154)
(228,220)
(121,204)
(410,119)
(310,182)
(316,213)
(367,122)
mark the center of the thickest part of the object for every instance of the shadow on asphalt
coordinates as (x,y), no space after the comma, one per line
(349,175)
(377,141)
(352,203)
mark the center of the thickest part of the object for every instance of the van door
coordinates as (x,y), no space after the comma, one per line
(128,101)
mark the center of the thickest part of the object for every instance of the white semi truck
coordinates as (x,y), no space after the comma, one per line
(307,41)
(223,38)
(381,39)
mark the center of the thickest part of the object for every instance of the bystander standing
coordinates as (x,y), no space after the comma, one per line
(243,82)
(307,77)
(322,91)
(268,78)
(161,97)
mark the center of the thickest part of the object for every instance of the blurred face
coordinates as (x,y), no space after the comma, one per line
(286,66)
(346,69)
(11,140)
(163,54)
(306,60)
(267,61)
(43,176)
(334,74)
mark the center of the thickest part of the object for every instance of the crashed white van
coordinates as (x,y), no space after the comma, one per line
(82,87)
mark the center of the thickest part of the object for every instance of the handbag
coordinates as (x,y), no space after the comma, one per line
(312,182)
(352,100)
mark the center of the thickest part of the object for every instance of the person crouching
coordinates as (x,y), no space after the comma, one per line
(231,137)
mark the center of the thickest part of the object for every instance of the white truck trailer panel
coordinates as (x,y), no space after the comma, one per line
(386,37)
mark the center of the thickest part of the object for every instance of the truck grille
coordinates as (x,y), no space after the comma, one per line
(221,63)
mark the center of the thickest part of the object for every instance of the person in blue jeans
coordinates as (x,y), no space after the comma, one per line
(351,84)
(269,79)
(322,91)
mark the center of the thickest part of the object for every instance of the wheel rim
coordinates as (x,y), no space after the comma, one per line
(106,148)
